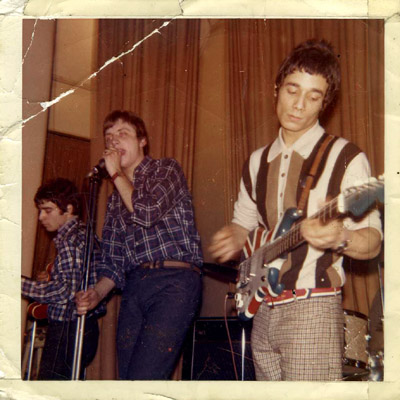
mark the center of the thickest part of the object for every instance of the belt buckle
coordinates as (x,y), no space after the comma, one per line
(294,294)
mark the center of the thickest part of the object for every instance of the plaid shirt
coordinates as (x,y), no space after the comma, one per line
(66,274)
(161,226)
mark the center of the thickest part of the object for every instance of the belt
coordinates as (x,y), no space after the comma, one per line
(170,264)
(289,296)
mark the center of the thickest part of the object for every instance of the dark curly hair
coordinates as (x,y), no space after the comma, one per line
(130,118)
(315,57)
(61,192)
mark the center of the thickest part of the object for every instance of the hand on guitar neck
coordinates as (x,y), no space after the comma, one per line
(362,244)
(45,275)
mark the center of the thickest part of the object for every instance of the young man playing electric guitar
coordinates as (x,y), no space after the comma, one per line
(298,328)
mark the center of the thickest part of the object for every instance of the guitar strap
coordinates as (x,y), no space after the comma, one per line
(311,174)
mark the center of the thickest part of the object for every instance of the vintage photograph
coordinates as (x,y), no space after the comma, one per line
(202,199)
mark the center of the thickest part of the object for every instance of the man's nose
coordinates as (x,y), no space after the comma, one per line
(114,140)
(41,215)
(299,103)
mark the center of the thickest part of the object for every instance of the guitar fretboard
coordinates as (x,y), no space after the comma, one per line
(293,237)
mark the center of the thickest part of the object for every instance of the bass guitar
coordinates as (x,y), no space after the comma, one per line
(259,273)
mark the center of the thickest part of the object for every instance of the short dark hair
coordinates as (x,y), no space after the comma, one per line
(132,119)
(316,58)
(61,192)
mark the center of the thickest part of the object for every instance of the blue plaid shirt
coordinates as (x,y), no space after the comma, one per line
(161,226)
(66,274)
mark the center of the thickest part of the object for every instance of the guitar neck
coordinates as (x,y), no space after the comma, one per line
(293,238)
(354,200)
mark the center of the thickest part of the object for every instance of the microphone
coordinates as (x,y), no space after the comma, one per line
(99,169)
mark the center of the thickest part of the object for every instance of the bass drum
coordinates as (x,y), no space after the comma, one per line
(355,357)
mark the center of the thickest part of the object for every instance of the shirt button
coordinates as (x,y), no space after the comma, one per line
(283,175)
(285,156)
(281,195)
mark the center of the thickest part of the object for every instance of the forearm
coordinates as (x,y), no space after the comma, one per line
(103,287)
(362,244)
(125,190)
(89,300)
(46,292)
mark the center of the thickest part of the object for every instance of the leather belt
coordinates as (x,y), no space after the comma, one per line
(170,264)
(289,296)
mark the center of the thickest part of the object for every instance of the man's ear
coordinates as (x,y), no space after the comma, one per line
(143,142)
(70,209)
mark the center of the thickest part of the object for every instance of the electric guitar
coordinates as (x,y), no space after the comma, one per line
(259,273)
(38,310)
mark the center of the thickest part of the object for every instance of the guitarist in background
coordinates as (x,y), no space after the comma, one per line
(59,206)
(297,337)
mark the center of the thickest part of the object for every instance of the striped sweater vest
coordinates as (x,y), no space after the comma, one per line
(266,202)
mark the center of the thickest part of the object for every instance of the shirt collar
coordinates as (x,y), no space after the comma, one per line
(64,230)
(303,146)
(143,166)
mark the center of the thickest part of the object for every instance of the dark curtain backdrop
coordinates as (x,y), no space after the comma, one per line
(159,80)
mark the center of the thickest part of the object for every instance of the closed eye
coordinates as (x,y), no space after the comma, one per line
(291,90)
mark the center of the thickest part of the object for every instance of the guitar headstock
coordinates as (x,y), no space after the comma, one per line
(358,199)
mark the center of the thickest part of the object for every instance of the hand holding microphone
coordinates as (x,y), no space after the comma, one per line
(99,170)
(108,165)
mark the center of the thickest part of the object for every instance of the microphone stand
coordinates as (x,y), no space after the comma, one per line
(243,350)
(94,183)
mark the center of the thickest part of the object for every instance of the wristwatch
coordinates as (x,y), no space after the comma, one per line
(345,244)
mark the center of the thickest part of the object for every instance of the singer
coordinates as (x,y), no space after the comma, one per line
(151,250)
(59,206)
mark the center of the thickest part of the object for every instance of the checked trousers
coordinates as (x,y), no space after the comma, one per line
(299,341)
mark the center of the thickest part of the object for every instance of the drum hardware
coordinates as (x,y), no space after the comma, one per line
(355,357)
(376,367)
(34,342)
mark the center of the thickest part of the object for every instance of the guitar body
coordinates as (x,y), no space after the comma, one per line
(38,310)
(256,277)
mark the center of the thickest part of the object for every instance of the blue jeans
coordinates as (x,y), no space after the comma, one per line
(157,308)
